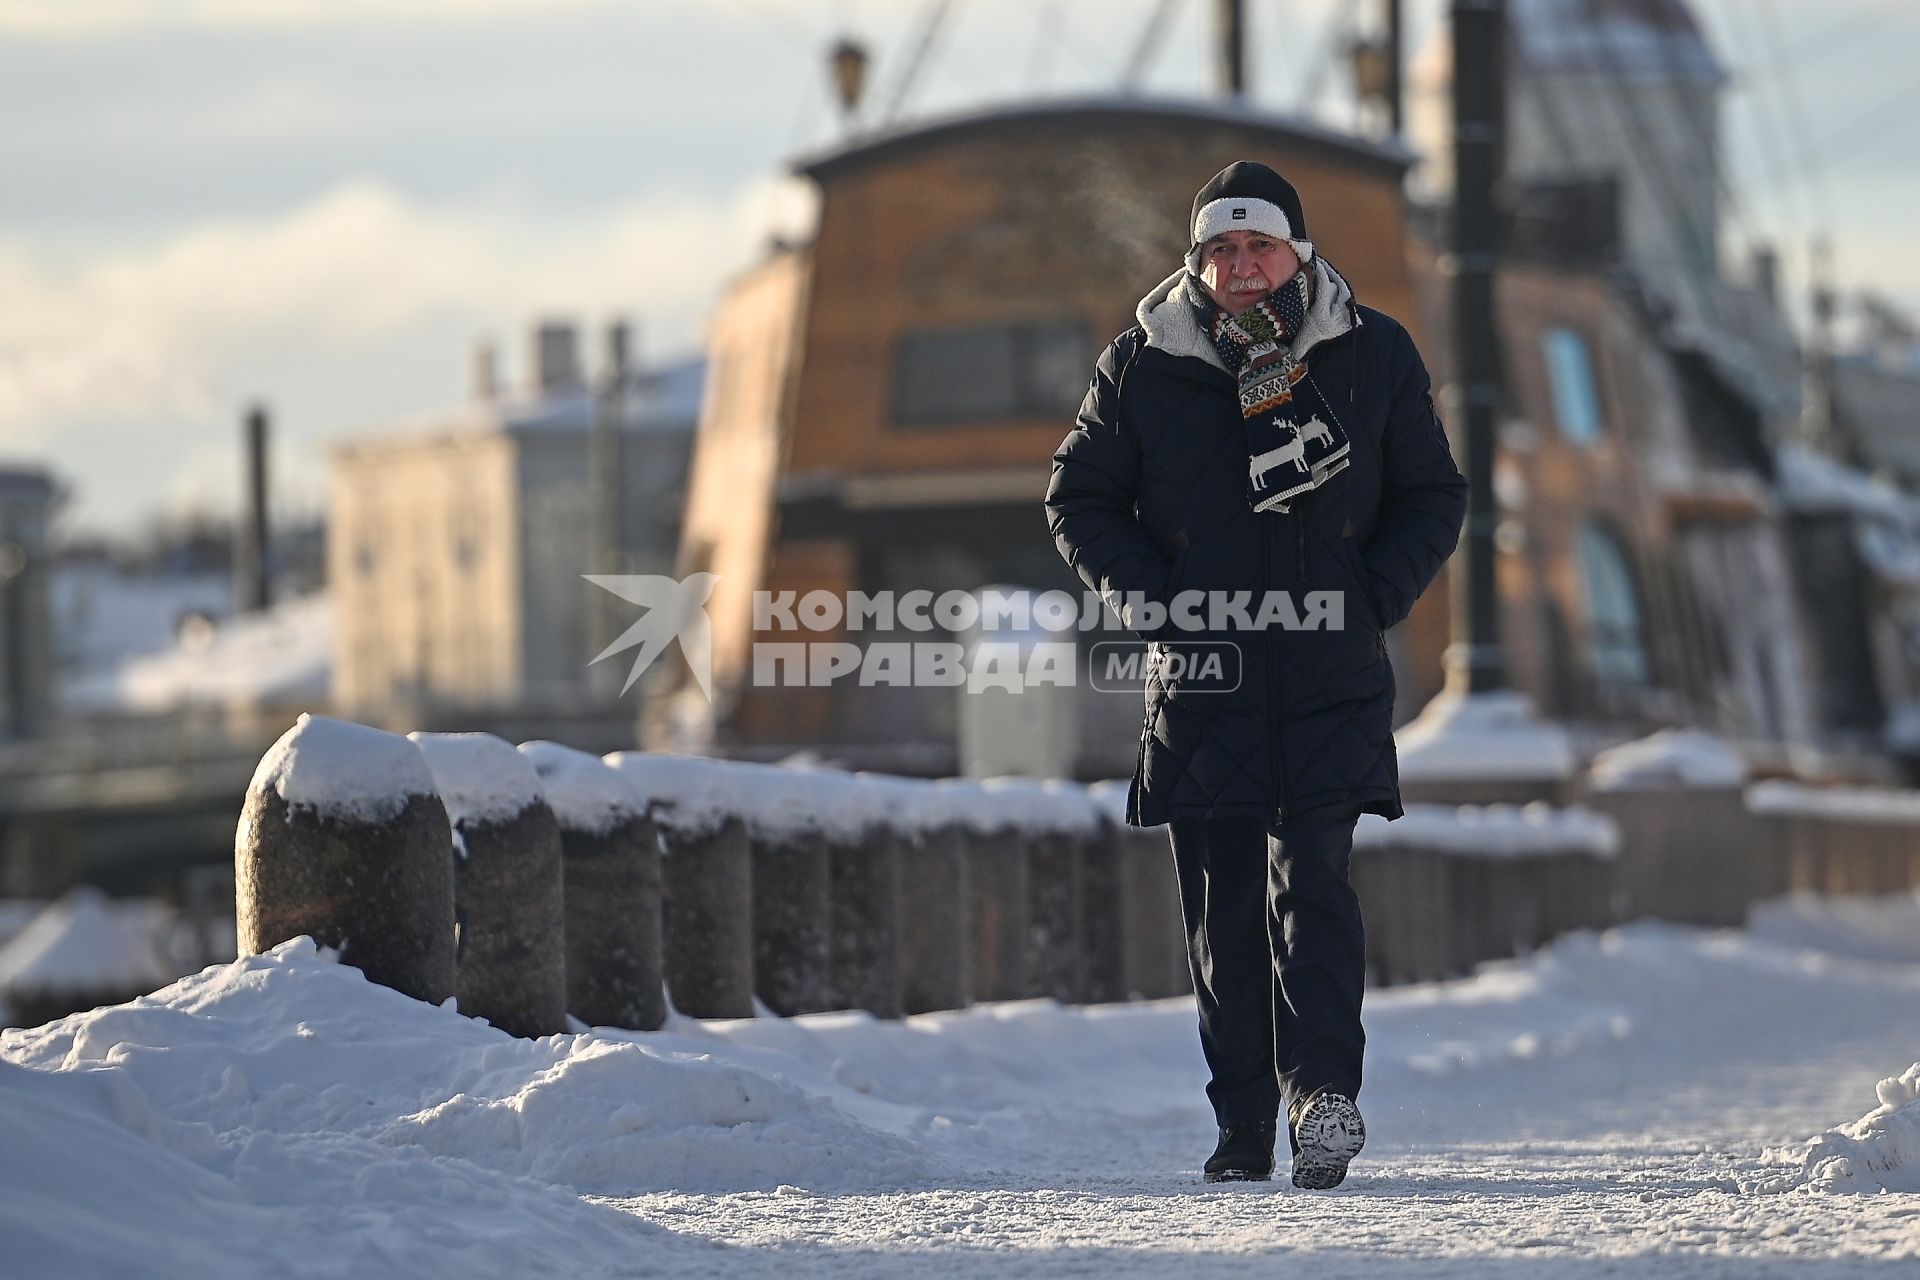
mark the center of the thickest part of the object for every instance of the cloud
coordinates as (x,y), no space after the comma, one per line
(68,18)
(336,302)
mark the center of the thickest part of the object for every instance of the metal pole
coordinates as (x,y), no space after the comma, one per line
(1230,30)
(603,479)
(1396,72)
(1476,662)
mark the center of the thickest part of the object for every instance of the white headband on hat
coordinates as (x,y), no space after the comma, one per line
(1236,213)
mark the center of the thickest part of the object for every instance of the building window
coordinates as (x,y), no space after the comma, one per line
(1614,640)
(991,373)
(1576,404)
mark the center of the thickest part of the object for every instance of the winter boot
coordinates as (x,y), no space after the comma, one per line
(1245,1153)
(1327,1135)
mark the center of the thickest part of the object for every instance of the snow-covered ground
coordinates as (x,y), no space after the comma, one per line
(1653,1100)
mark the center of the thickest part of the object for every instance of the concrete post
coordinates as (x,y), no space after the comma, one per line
(707,877)
(610,856)
(864,850)
(792,891)
(508,910)
(342,838)
(935,955)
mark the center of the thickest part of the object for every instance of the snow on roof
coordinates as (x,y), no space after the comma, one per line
(664,399)
(1483,735)
(344,770)
(480,778)
(281,656)
(1672,757)
(1492,831)
(584,793)
(1118,111)
(86,943)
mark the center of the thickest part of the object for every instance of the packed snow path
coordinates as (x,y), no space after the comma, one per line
(1603,1108)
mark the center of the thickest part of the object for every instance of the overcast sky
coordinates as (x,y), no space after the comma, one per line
(324,202)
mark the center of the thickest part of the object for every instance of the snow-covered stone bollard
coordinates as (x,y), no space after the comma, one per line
(865,849)
(611,859)
(343,838)
(1057,823)
(1404,896)
(995,909)
(1145,906)
(707,880)
(792,890)
(1688,841)
(935,955)
(507,883)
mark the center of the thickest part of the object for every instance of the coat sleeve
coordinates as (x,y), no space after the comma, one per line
(1091,496)
(1423,496)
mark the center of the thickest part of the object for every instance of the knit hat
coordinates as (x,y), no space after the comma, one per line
(1248,196)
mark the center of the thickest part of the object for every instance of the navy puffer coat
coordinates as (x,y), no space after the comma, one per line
(1149,495)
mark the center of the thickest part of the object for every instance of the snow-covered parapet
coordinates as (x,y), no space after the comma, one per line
(1670,758)
(583,792)
(1846,804)
(1493,831)
(1878,1152)
(1483,737)
(337,769)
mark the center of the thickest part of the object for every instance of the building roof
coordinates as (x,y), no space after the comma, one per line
(1639,39)
(1080,115)
(665,399)
(1879,410)
(18,482)
(1618,37)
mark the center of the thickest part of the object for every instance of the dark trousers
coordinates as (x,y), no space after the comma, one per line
(1278,955)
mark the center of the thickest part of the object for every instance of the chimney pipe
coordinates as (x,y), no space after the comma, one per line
(556,358)
(251,586)
(485,371)
(1230,32)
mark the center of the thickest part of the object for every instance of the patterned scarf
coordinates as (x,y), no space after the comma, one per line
(1294,441)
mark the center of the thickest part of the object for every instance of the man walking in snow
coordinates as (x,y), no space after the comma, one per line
(1259,431)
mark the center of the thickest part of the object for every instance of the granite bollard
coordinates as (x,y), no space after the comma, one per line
(343,838)
(507,883)
(1144,909)
(706,867)
(610,857)
(996,906)
(1055,822)
(792,890)
(864,851)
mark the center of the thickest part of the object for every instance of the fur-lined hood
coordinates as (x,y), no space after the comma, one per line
(1167,314)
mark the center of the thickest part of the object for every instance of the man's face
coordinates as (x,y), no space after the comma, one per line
(1241,267)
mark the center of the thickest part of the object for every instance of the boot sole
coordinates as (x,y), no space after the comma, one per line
(1330,1134)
